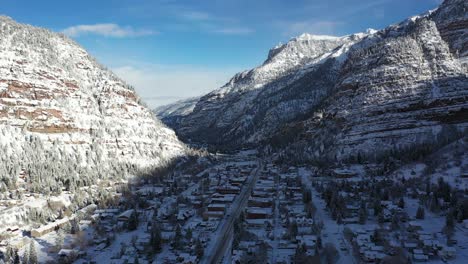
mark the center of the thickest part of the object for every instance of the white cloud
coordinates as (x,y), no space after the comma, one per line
(163,84)
(107,30)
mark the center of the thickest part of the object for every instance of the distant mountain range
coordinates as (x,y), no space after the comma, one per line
(366,94)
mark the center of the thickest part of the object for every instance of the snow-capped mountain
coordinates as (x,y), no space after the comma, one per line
(341,95)
(57,102)
(258,95)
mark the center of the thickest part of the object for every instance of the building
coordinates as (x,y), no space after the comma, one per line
(45,229)
(228,189)
(125,216)
(217,207)
(260,202)
(310,241)
(258,213)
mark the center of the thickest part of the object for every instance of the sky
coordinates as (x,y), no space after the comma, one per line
(174,49)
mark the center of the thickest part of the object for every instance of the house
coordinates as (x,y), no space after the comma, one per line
(261,194)
(343,173)
(215,207)
(373,256)
(410,246)
(238,180)
(419,256)
(212,214)
(228,189)
(38,232)
(310,241)
(414,226)
(260,202)
(449,252)
(69,254)
(222,199)
(258,223)
(125,216)
(258,213)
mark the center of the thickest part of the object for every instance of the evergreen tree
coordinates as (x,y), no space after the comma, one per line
(381,218)
(188,234)
(178,238)
(395,222)
(449,221)
(133,221)
(362,214)
(377,207)
(420,213)
(293,229)
(16,260)
(401,203)
(59,239)
(199,250)
(26,256)
(32,253)
(156,239)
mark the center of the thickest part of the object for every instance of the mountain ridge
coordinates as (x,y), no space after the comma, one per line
(53,93)
(415,64)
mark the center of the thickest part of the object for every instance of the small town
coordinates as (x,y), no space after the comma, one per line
(242,209)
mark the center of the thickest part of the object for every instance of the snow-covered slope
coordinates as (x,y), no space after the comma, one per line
(234,110)
(53,93)
(366,92)
(171,114)
(452,22)
(398,91)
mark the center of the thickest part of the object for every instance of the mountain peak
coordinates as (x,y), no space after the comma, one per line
(307,36)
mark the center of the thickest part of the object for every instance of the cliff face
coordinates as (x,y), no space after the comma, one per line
(363,93)
(55,96)
(451,19)
(397,89)
(259,100)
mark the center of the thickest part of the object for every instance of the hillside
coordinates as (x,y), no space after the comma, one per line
(371,92)
(171,114)
(65,118)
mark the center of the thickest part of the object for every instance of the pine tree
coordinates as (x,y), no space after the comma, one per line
(178,238)
(133,221)
(188,234)
(199,250)
(449,221)
(32,253)
(362,215)
(420,213)
(26,256)
(401,203)
(156,239)
(59,239)
(381,218)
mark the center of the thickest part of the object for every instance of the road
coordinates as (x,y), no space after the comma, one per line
(276,228)
(331,232)
(217,247)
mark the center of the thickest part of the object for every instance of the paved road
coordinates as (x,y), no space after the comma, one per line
(277,225)
(216,250)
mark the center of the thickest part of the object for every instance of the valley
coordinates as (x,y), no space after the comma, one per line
(335,150)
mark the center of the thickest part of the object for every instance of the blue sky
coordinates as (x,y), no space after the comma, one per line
(171,49)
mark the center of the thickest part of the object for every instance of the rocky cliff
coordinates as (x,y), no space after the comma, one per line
(57,102)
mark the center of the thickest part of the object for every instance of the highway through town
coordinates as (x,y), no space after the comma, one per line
(217,248)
